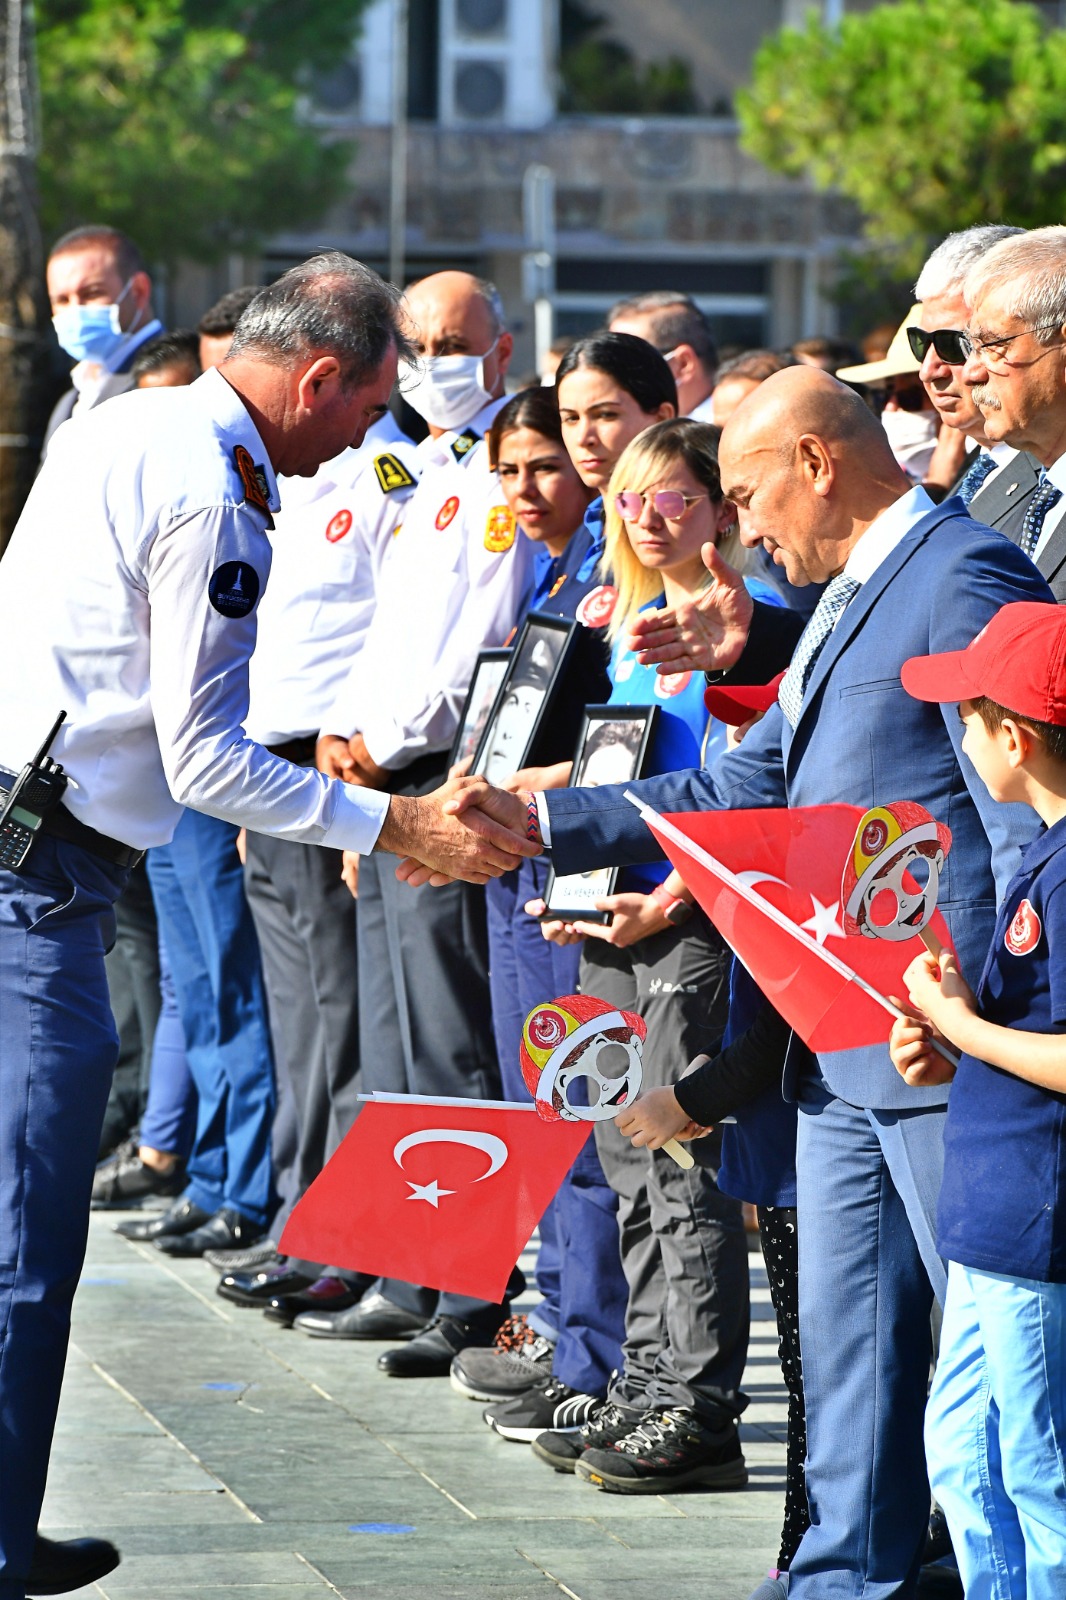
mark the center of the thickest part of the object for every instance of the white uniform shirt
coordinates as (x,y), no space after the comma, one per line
(453,584)
(329,541)
(128,597)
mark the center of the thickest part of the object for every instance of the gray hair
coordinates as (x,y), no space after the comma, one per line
(1036,265)
(674,318)
(328,305)
(947,267)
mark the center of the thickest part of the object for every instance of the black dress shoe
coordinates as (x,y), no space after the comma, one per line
(430,1353)
(183,1217)
(375,1317)
(327,1293)
(225,1228)
(125,1180)
(60,1565)
(260,1287)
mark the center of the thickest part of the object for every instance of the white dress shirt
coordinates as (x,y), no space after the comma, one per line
(452,584)
(329,541)
(128,598)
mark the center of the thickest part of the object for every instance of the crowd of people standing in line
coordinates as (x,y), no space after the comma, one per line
(260,984)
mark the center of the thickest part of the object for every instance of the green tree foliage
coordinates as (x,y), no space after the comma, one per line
(180,120)
(601,75)
(931,115)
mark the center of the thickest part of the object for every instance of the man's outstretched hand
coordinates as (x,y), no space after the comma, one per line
(707,634)
(466,829)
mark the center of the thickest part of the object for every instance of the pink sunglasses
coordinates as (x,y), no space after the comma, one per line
(669,503)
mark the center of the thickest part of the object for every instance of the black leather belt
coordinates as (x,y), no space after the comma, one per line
(63,824)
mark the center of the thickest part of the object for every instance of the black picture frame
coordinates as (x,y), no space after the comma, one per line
(490,669)
(538,663)
(613,745)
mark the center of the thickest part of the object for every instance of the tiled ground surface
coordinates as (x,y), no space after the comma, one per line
(230,1460)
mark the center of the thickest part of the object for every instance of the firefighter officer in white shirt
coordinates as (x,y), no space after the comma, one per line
(453,585)
(676,326)
(331,537)
(128,602)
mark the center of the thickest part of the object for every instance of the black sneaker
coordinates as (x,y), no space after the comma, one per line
(606,1425)
(549,1404)
(517,1360)
(669,1450)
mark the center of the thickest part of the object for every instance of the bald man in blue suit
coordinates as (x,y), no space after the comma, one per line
(815,483)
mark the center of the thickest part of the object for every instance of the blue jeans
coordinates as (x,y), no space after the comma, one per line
(169,1121)
(198,885)
(995,1433)
(58,1048)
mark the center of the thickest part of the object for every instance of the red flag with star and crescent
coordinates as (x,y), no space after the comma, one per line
(441,1193)
(783,915)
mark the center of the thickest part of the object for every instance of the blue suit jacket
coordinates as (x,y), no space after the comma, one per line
(861,739)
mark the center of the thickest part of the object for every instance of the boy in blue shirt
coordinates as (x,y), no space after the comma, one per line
(996,1423)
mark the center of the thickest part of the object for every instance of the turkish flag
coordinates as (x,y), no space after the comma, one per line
(782,915)
(441,1193)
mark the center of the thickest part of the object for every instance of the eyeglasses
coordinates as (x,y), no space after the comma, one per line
(950,344)
(909,396)
(994,350)
(669,503)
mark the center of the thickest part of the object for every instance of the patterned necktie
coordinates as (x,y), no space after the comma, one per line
(812,641)
(1044,498)
(982,465)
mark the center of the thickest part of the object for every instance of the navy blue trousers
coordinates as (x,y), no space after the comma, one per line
(58,1049)
(198,884)
(579,1271)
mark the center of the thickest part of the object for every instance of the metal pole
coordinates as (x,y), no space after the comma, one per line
(398,165)
(538,204)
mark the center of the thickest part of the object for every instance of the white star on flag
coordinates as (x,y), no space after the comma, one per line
(431,1192)
(823,924)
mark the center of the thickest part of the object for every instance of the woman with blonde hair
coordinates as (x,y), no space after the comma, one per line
(670,1416)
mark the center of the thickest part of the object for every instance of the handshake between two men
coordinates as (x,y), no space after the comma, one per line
(471,830)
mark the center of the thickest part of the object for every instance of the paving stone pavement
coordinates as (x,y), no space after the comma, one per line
(230,1459)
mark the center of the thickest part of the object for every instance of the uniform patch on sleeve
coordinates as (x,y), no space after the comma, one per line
(233,588)
(391,473)
(253,478)
(464,442)
(446,513)
(499,529)
(338,525)
(1023,934)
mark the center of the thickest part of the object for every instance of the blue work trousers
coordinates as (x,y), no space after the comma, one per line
(995,1433)
(58,1048)
(579,1269)
(198,884)
(169,1121)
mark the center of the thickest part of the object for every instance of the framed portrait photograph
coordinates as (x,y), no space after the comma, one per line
(530,684)
(613,748)
(489,671)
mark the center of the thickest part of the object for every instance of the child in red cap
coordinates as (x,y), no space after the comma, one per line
(996,1423)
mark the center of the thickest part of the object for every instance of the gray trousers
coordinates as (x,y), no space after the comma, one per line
(426,1017)
(684,1250)
(306,920)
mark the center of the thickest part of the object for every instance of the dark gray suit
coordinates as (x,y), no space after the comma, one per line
(1003,502)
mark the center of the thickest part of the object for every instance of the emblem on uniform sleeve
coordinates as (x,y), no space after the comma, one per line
(391,473)
(253,479)
(667,684)
(1023,933)
(446,514)
(463,443)
(233,588)
(597,608)
(338,526)
(499,529)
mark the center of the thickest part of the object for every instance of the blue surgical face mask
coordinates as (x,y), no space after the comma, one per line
(91,333)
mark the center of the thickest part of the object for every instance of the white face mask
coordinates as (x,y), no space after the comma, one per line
(912,435)
(447,391)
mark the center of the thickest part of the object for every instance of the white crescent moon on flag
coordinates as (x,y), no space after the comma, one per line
(493,1147)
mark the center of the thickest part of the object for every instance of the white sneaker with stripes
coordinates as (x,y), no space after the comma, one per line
(548,1406)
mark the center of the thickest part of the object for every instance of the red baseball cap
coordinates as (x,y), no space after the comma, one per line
(739,703)
(1018,660)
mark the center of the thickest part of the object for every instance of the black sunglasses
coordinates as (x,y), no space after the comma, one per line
(950,344)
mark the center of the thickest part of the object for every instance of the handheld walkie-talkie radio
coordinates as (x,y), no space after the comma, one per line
(36,791)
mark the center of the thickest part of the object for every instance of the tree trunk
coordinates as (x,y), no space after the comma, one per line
(26,360)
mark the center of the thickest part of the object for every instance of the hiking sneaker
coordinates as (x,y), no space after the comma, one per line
(669,1450)
(605,1426)
(549,1404)
(518,1359)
